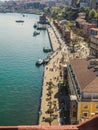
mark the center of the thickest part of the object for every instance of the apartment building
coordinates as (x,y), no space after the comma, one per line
(83,88)
(93,4)
(93,35)
(94,46)
(93,31)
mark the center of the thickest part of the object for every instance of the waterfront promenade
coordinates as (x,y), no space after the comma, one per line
(49,111)
(49,100)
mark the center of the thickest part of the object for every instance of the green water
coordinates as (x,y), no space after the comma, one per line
(20,79)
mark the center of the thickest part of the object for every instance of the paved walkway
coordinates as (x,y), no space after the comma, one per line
(52,75)
(83,51)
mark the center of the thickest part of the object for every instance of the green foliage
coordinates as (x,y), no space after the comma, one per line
(87,10)
(96,16)
(68,25)
(54,12)
(83,9)
(73,43)
(47,10)
(61,12)
(92,14)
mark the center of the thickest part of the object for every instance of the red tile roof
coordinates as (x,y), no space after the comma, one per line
(96,36)
(90,124)
(95,29)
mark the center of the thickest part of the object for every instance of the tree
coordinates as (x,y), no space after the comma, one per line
(87,10)
(79,32)
(47,10)
(63,12)
(82,9)
(74,42)
(92,14)
(54,12)
(68,25)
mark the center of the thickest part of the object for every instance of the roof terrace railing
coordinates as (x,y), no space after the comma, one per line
(75,82)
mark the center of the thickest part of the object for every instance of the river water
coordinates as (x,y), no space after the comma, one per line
(20,79)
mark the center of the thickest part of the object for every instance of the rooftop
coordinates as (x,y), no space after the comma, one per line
(89,24)
(87,79)
(96,36)
(95,29)
(83,22)
(80,20)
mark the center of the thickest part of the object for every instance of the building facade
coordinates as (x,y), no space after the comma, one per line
(93,32)
(93,35)
(94,46)
(65,34)
(85,26)
(84,3)
(83,89)
(93,4)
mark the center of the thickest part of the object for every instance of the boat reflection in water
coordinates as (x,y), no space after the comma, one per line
(36,33)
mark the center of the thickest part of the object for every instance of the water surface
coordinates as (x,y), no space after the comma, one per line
(20,79)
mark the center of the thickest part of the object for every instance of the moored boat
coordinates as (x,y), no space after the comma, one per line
(46,49)
(35,25)
(39,62)
(19,21)
(23,15)
(45,61)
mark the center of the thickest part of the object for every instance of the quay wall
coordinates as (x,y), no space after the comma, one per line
(41,98)
(50,40)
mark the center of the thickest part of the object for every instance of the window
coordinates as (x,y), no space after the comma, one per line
(96,106)
(74,106)
(85,106)
(85,114)
(96,112)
